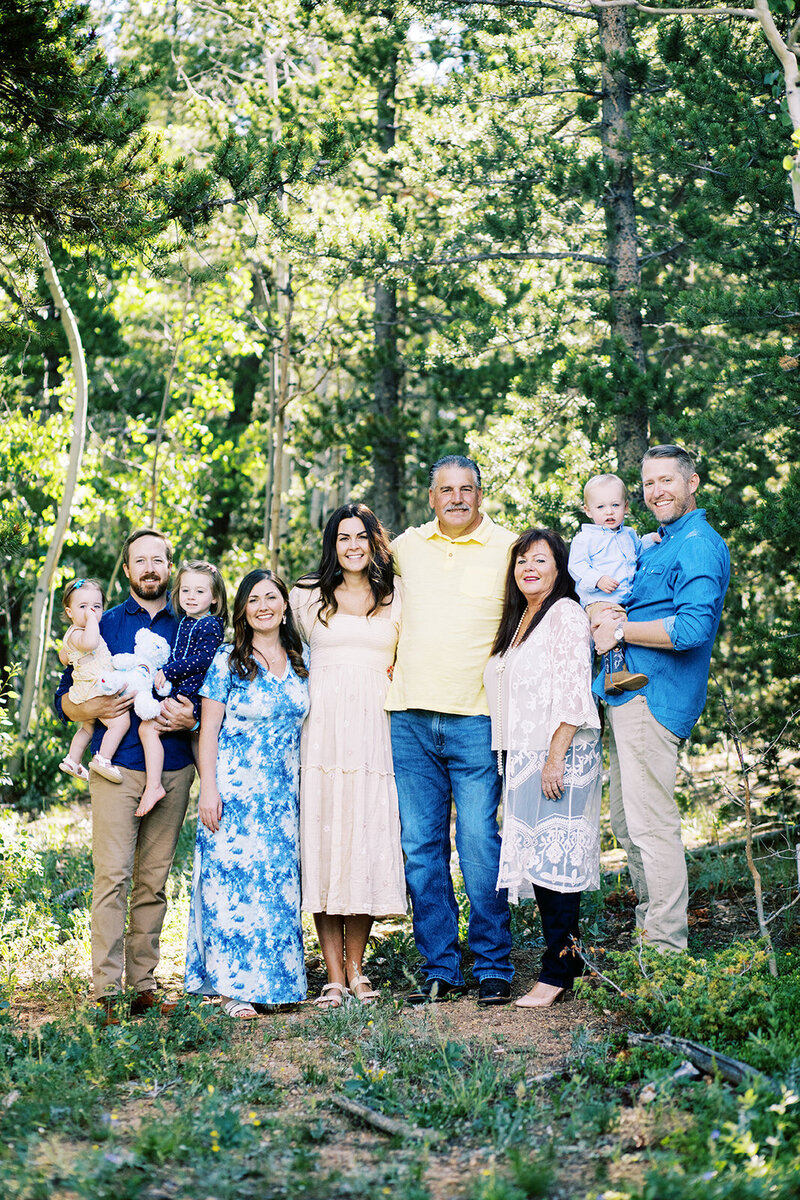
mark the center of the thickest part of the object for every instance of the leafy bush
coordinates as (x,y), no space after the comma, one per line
(727,999)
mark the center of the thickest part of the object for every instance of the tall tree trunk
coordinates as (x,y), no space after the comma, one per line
(286,308)
(786,53)
(622,242)
(387,454)
(36,646)
(162,416)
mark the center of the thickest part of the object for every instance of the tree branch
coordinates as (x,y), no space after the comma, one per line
(501,255)
(567,9)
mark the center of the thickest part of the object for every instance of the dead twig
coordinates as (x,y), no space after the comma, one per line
(709,1061)
(385,1124)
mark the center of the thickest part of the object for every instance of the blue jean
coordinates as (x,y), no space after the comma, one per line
(439,759)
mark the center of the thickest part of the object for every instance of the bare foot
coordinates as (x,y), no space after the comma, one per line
(150,798)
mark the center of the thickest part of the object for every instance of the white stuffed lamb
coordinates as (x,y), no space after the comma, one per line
(134,673)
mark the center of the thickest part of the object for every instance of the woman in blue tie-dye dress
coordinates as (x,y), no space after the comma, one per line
(245,936)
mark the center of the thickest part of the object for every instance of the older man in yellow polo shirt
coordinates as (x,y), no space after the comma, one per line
(453,573)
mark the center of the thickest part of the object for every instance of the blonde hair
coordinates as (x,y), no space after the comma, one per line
(598,479)
(219,595)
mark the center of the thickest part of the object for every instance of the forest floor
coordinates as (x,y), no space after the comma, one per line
(488,1104)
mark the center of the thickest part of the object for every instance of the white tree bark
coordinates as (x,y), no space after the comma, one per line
(36,646)
(786,56)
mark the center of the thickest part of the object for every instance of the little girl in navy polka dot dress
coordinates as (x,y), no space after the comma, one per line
(200,601)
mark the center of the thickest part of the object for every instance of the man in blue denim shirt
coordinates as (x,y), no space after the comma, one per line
(131,853)
(672,619)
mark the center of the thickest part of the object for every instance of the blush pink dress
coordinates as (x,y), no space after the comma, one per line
(349,820)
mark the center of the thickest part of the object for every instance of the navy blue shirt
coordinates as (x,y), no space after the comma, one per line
(118,628)
(682,581)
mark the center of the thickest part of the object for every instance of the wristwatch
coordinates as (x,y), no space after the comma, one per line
(619,634)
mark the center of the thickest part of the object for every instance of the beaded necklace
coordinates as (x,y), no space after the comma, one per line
(501,666)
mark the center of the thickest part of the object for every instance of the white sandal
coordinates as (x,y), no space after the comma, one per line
(105,767)
(239,1010)
(337,994)
(368,997)
(70,767)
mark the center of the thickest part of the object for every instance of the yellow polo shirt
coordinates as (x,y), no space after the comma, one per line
(452,600)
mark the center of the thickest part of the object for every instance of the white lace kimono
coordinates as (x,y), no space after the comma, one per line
(547,680)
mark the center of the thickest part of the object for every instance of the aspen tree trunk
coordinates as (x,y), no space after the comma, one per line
(286,307)
(283,284)
(622,242)
(387,455)
(36,646)
(786,54)
(162,416)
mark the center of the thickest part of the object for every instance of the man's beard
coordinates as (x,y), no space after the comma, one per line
(160,588)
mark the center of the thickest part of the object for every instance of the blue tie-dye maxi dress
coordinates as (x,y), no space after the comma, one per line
(245,936)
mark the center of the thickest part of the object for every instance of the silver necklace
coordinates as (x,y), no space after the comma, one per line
(261,654)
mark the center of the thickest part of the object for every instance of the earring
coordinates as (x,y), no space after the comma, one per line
(283,619)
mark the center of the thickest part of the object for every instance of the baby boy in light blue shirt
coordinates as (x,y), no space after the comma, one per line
(602,560)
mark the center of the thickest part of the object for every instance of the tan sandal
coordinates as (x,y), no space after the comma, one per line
(105,767)
(368,997)
(333,995)
(70,767)
(240,1010)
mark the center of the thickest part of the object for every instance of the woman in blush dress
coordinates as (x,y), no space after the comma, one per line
(349,614)
(245,933)
(546,727)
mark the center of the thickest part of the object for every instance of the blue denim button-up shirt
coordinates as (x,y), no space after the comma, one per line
(682,582)
(118,627)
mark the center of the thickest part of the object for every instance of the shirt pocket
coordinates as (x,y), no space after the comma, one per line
(478,582)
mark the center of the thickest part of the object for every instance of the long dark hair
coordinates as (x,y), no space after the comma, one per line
(514,603)
(241,661)
(328,576)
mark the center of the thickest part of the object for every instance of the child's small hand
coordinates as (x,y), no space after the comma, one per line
(160,679)
(606,584)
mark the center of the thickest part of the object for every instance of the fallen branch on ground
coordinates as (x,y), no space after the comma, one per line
(709,1061)
(385,1124)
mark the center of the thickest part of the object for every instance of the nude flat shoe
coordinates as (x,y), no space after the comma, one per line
(542,995)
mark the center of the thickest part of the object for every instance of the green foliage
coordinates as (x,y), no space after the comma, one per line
(726,999)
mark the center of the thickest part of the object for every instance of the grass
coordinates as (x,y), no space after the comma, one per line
(198,1106)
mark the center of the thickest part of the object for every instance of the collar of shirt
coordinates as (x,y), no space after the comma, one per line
(132,607)
(479,534)
(674,527)
(605,528)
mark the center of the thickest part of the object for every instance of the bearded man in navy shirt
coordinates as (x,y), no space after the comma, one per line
(129,853)
(672,619)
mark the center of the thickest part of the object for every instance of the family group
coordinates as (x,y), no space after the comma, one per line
(345,719)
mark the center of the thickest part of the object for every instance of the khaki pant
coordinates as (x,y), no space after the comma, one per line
(646,821)
(131,854)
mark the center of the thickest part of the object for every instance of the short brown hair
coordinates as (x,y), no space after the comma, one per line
(140,533)
(199,565)
(74,585)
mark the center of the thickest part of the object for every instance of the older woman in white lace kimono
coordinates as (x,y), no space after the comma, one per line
(546,731)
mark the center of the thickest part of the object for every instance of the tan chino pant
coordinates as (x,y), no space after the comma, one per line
(131,854)
(646,821)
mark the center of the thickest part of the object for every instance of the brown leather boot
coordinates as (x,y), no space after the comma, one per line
(624,681)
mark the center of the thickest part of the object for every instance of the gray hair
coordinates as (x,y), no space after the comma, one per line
(686,464)
(455,460)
